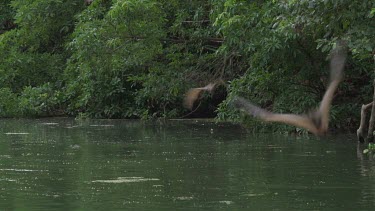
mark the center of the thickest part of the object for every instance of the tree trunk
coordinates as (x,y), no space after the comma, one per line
(370,136)
(361,129)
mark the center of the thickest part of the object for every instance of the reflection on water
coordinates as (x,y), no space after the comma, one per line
(63,164)
(127,179)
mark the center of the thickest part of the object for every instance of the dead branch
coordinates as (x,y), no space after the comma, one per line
(361,129)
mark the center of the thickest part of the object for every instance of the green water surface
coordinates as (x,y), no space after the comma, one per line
(64,164)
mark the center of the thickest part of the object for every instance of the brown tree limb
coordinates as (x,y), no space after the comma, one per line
(361,129)
(370,135)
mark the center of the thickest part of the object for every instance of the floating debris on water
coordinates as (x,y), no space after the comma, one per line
(71,126)
(102,125)
(184,198)
(22,170)
(254,194)
(8,180)
(226,202)
(127,180)
(16,133)
(75,146)
(49,123)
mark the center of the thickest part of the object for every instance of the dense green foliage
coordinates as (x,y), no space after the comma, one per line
(137,58)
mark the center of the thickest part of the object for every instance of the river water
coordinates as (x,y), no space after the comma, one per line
(64,164)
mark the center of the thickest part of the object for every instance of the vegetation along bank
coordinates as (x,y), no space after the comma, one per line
(137,59)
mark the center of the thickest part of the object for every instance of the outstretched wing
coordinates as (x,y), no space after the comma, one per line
(301,121)
(337,66)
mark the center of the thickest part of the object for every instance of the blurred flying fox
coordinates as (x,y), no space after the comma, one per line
(193,94)
(315,121)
